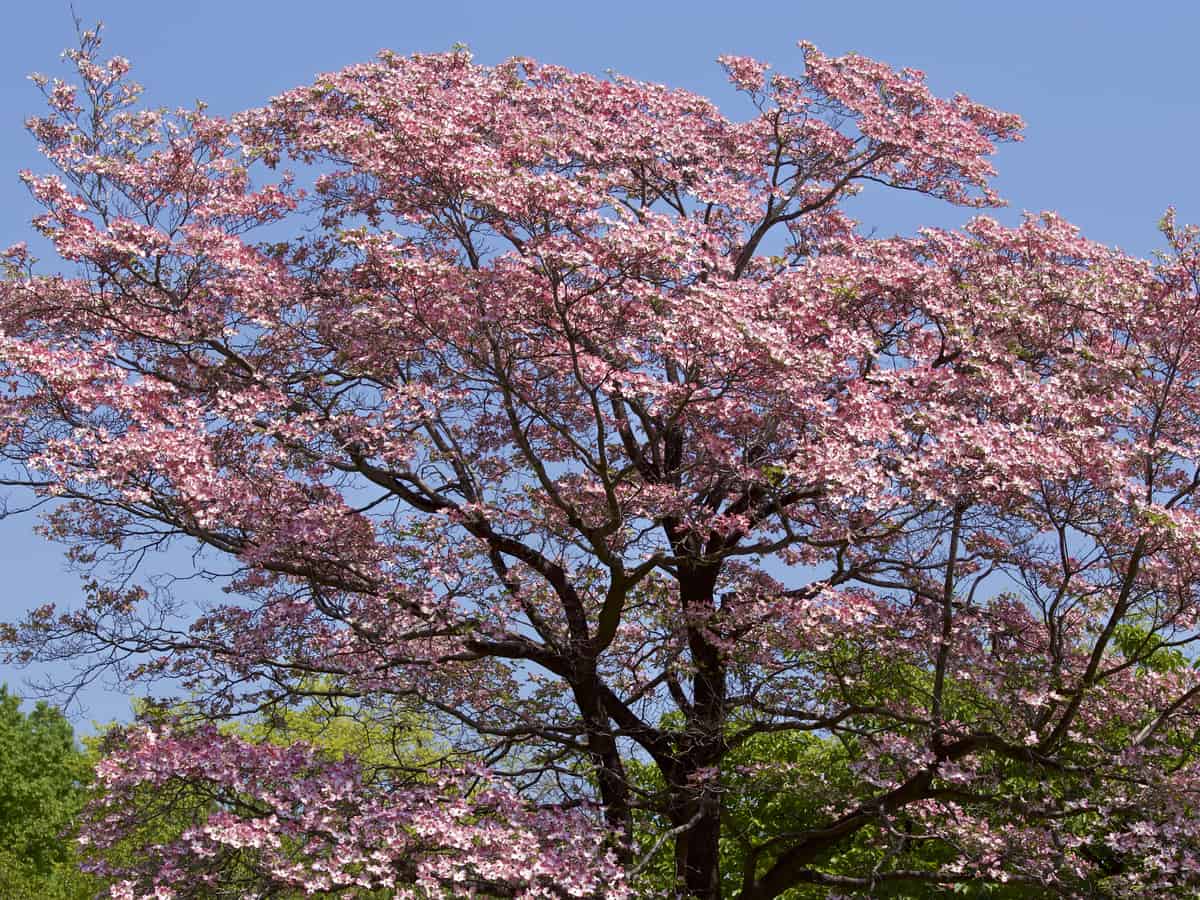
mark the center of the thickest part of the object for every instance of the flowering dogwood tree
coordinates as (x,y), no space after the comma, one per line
(577,417)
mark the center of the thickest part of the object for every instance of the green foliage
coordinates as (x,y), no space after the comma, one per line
(773,784)
(777,784)
(1142,644)
(386,739)
(43,783)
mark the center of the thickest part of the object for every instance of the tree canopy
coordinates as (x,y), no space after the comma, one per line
(44,777)
(729,550)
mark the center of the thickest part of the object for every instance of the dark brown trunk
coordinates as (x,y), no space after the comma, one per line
(697,851)
(610,773)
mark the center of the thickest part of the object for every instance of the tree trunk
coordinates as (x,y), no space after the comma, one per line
(610,772)
(697,849)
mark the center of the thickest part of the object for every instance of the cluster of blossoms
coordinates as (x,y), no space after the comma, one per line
(278,818)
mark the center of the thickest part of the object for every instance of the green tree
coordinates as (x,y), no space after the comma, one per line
(389,738)
(44,777)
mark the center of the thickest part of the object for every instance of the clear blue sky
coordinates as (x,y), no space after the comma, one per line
(1108,91)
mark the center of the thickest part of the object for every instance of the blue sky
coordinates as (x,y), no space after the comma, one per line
(1108,92)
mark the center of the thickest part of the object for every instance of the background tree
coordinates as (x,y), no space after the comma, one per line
(44,777)
(577,419)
